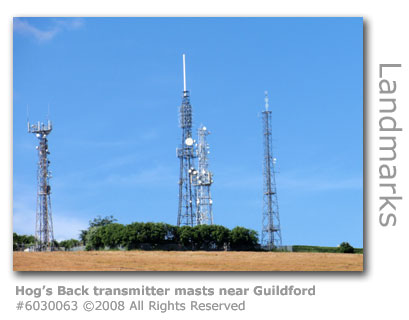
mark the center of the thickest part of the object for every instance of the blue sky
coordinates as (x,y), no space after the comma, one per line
(114,86)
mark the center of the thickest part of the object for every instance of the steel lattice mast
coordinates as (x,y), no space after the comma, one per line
(186,155)
(44,233)
(204,180)
(271,232)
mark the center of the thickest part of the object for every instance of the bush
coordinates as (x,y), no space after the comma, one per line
(22,241)
(69,244)
(345,247)
(94,238)
(243,239)
(112,234)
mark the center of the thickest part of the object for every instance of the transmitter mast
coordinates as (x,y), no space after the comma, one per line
(204,179)
(186,155)
(271,232)
(44,233)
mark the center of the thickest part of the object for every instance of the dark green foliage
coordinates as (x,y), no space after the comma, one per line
(202,237)
(186,236)
(315,249)
(243,239)
(100,222)
(56,244)
(111,235)
(345,247)
(220,236)
(83,236)
(94,238)
(325,249)
(131,232)
(69,244)
(22,241)
(164,236)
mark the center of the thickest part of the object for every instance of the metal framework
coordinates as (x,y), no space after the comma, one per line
(186,155)
(44,222)
(271,232)
(204,180)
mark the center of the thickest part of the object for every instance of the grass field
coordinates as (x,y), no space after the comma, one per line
(185,261)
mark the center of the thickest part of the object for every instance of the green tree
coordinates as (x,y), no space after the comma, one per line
(243,239)
(202,236)
(56,244)
(94,239)
(69,244)
(100,222)
(345,247)
(22,241)
(171,233)
(83,236)
(220,236)
(112,235)
(185,235)
(131,238)
(156,233)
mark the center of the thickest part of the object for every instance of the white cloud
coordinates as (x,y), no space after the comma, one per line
(24,27)
(70,24)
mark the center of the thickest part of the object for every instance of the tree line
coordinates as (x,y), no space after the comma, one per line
(165,236)
(106,233)
(21,242)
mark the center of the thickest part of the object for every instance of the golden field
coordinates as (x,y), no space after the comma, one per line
(185,261)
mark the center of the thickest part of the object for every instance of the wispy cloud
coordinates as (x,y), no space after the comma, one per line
(24,27)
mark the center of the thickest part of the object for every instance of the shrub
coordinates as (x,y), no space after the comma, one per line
(345,247)
(243,239)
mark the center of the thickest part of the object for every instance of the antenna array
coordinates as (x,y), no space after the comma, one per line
(204,180)
(195,202)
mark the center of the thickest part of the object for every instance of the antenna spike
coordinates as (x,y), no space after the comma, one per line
(184,76)
(266,99)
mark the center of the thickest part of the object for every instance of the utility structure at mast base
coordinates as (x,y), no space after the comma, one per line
(44,233)
(271,230)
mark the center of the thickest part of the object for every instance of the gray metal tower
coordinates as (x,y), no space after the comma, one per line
(186,155)
(204,180)
(44,222)
(271,232)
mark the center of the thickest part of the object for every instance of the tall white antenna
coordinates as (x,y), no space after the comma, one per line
(266,99)
(184,76)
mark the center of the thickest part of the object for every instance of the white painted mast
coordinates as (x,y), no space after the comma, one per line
(266,99)
(184,77)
